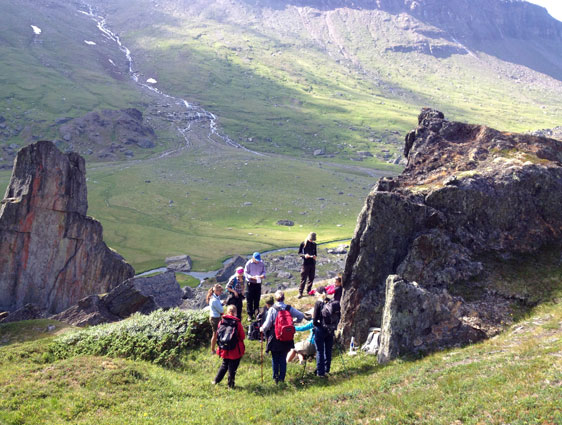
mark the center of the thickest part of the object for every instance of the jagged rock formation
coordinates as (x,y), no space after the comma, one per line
(52,253)
(468,194)
(140,294)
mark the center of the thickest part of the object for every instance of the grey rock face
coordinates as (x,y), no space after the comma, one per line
(164,288)
(52,253)
(417,320)
(467,192)
(141,294)
(230,267)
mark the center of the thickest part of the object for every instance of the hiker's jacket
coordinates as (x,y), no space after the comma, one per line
(254,269)
(268,328)
(308,327)
(309,248)
(240,349)
(216,307)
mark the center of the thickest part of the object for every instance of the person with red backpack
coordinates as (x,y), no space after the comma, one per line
(230,341)
(279,332)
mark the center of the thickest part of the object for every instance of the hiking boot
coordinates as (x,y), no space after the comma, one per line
(299,297)
(213,382)
(250,319)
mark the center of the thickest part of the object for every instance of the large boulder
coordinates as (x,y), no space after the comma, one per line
(52,254)
(140,294)
(417,320)
(469,195)
(230,267)
(164,288)
(179,263)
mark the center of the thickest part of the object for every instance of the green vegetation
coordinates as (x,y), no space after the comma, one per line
(160,337)
(186,280)
(513,378)
(224,202)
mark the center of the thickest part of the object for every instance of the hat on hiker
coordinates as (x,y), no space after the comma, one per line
(312,236)
(257,256)
(240,270)
(321,290)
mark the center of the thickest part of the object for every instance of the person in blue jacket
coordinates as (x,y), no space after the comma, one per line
(304,348)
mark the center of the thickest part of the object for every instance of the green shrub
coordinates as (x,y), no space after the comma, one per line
(160,337)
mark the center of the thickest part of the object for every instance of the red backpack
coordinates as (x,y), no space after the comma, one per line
(284,328)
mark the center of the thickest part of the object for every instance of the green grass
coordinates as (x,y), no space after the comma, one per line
(514,378)
(186,280)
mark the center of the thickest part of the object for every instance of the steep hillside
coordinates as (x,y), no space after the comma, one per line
(342,76)
(336,76)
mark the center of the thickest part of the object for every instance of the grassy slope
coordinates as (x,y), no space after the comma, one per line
(514,378)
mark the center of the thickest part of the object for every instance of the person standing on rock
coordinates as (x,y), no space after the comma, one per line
(215,312)
(235,286)
(307,251)
(255,273)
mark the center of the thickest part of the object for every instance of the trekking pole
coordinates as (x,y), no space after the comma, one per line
(341,355)
(304,368)
(261,355)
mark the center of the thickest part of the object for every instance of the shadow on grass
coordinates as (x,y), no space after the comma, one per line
(29,330)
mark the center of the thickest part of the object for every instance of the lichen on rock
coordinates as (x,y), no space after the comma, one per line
(468,192)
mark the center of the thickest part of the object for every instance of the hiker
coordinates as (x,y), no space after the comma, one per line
(303,349)
(235,286)
(255,273)
(231,345)
(279,331)
(307,251)
(338,288)
(324,327)
(216,310)
(254,327)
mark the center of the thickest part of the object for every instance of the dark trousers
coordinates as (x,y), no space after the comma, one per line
(279,365)
(236,301)
(231,366)
(307,272)
(253,299)
(324,341)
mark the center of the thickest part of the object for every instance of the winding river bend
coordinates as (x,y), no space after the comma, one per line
(193,112)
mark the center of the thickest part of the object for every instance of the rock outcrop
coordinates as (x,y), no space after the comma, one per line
(417,320)
(179,263)
(140,294)
(52,254)
(468,194)
(229,268)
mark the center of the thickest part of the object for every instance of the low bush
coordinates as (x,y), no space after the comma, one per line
(160,337)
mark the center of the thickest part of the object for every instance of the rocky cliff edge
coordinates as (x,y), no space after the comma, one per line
(470,197)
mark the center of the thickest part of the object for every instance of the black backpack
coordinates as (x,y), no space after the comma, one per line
(331,315)
(227,338)
(254,331)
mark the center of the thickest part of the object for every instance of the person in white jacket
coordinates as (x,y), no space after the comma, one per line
(215,312)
